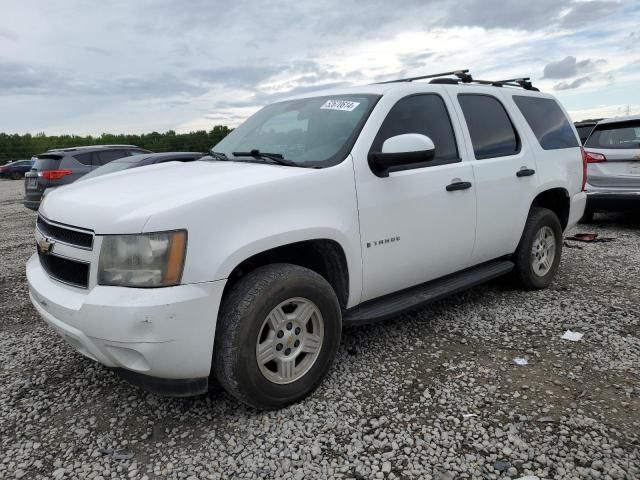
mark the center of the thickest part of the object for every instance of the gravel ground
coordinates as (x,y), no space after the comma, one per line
(431,395)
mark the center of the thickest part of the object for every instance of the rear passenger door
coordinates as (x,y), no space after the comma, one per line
(504,169)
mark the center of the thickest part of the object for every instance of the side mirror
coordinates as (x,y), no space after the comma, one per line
(401,150)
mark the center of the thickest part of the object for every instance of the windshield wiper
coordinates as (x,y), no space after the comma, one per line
(218,155)
(275,157)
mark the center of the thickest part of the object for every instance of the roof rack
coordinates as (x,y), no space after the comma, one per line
(523,82)
(465,77)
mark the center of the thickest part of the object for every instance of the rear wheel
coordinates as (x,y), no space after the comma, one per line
(538,255)
(277,335)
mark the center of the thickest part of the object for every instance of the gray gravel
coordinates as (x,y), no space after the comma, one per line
(432,395)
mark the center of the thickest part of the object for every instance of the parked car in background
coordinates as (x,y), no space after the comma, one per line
(613,166)
(327,209)
(16,170)
(585,127)
(141,161)
(62,166)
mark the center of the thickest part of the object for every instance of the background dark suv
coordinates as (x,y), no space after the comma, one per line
(65,165)
(15,170)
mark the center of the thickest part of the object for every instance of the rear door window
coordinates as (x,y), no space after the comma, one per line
(106,156)
(547,121)
(616,135)
(492,132)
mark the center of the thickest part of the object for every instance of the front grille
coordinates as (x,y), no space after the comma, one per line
(65,235)
(65,270)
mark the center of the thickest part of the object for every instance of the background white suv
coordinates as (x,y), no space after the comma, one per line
(333,208)
(613,172)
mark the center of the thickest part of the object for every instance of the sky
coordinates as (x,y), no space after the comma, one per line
(120,66)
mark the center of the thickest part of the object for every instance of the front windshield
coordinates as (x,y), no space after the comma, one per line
(316,131)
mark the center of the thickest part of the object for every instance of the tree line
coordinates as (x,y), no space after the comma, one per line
(16,146)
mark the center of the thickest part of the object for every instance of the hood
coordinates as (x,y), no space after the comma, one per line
(123,202)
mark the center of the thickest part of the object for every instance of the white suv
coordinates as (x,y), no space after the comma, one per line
(327,209)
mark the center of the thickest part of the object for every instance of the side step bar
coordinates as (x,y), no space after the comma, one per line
(416,297)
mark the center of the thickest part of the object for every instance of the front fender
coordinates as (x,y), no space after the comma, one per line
(307,204)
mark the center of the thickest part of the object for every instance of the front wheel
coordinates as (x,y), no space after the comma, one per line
(538,255)
(278,332)
(16,176)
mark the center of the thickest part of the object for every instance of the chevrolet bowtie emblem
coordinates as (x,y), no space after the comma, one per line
(45,245)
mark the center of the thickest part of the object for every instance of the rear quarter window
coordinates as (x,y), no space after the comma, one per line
(547,121)
(84,158)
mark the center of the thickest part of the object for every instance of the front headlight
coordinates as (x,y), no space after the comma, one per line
(144,260)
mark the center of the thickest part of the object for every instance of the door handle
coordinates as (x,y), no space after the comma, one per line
(458,186)
(525,172)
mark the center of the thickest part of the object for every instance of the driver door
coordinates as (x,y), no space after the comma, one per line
(413,229)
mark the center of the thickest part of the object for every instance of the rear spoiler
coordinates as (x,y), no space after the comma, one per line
(48,156)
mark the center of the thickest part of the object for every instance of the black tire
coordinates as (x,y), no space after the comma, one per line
(524,270)
(239,326)
(16,176)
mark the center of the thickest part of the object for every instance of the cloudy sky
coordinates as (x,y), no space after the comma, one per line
(120,66)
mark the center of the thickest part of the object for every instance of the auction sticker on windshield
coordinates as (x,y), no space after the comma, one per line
(343,105)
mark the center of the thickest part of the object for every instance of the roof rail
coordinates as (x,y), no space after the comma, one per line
(70,149)
(463,75)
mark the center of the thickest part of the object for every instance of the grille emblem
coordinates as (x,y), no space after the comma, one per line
(45,245)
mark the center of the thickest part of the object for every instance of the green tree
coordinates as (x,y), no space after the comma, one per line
(15,146)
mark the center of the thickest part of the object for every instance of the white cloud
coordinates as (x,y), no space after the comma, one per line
(604,111)
(157,65)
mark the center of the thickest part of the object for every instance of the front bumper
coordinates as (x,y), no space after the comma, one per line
(162,333)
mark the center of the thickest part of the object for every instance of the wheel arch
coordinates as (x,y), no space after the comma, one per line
(324,256)
(557,200)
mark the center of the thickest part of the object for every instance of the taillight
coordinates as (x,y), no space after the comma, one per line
(593,157)
(584,169)
(55,174)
